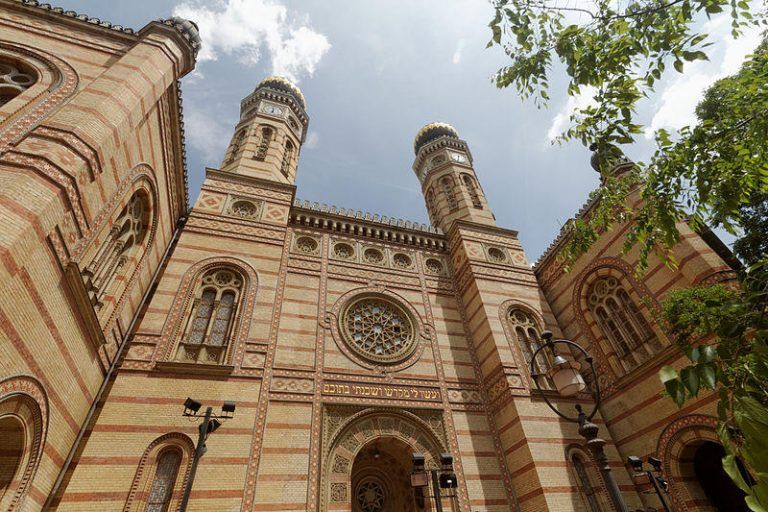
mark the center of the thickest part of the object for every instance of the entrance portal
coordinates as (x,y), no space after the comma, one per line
(381,477)
(723,494)
(11,454)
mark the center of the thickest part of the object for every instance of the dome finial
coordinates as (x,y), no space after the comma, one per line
(283,85)
(433,131)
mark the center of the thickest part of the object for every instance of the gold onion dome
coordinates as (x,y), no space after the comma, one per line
(283,85)
(431,132)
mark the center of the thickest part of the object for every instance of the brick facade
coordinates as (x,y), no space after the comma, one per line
(94,371)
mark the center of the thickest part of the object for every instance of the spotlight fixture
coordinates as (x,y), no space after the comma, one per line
(636,463)
(191,406)
(228,408)
(656,463)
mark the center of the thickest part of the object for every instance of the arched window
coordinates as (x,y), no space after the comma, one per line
(237,142)
(285,168)
(622,323)
(266,137)
(127,234)
(525,330)
(432,207)
(447,184)
(166,472)
(212,317)
(469,183)
(586,486)
(15,78)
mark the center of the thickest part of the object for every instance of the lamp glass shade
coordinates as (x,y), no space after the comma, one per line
(568,380)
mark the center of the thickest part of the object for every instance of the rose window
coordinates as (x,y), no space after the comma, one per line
(496,255)
(373,256)
(343,251)
(306,244)
(243,209)
(370,496)
(401,261)
(434,266)
(13,81)
(378,329)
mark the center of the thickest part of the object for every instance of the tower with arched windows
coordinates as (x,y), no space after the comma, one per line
(444,168)
(268,136)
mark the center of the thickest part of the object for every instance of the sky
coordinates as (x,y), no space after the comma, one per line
(374,72)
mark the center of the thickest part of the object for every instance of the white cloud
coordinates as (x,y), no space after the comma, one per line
(246,28)
(459,50)
(206,134)
(679,98)
(313,139)
(563,118)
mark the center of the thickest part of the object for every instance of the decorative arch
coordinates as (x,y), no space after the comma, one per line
(677,444)
(23,401)
(175,321)
(447,183)
(588,479)
(267,134)
(142,181)
(147,468)
(471,185)
(514,344)
(349,438)
(56,81)
(606,362)
(422,332)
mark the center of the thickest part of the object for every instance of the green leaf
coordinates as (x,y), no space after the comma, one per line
(667,373)
(678,66)
(707,353)
(730,467)
(690,379)
(707,376)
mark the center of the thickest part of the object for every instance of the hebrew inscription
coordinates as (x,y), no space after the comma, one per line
(380,391)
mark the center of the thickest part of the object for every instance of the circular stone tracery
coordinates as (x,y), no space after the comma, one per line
(370,495)
(378,329)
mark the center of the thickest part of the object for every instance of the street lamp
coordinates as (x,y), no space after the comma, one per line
(211,422)
(657,480)
(443,480)
(568,381)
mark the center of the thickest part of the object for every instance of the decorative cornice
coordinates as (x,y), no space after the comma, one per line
(250,180)
(483,228)
(366,224)
(95,22)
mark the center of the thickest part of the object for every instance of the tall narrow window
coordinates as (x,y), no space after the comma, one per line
(166,472)
(285,168)
(432,207)
(527,333)
(622,323)
(211,318)
(14,79)
(266,137)
(237,142)
(585,484)
(126,234)
(447,184)
(469,184)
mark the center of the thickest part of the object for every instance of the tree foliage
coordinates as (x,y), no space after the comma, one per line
(617,56)
(724,334)
(715,172)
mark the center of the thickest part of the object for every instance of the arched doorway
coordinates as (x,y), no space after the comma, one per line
(11,454)
(367,458)
(722,493)
(381,477)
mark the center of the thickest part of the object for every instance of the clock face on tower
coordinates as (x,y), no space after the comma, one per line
(269,108)
(458,157)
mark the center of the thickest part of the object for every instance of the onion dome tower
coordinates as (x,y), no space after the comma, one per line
(609,160)
(443,165)
(267,139)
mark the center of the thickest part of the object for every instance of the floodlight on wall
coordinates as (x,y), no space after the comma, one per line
(228,408)
(659,483)
(636,463)
(656,463)
(191,407)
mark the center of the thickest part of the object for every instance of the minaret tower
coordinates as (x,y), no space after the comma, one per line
(268,137)
(444,167)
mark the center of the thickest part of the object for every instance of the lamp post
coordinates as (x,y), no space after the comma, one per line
(442,479)
(208,426)
(568,380)
(657,480)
